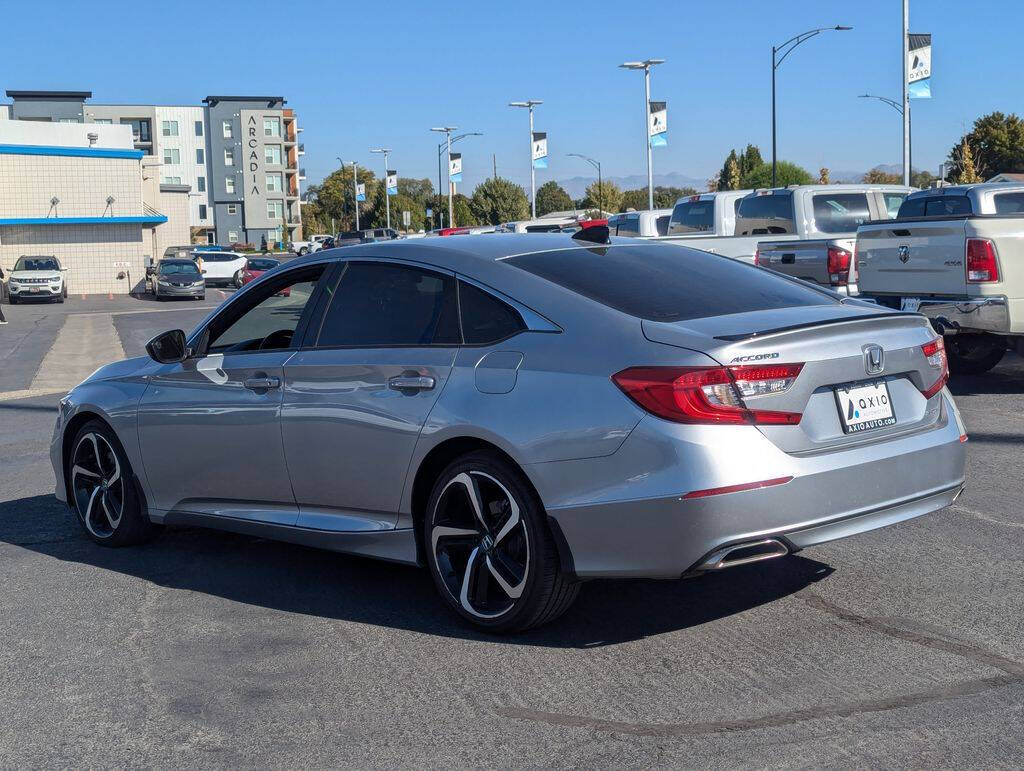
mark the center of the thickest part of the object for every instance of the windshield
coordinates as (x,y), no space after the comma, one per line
(765,214)
(840,212)
(262,264)
(660,282)
(179,267)
(37,263)
(692,217)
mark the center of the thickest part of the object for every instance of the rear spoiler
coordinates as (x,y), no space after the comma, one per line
(807,325)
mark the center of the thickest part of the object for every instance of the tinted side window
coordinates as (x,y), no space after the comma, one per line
(624,226)
(661,225)
(840,212)
(762,215)
(1009,203)
(912,207)
(693,217)
(893,201)
(485,318)
(377,304)
(947,206)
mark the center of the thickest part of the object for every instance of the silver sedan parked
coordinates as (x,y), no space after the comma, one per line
(519,413)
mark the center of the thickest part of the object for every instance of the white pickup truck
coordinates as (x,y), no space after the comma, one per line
(816,216)
(956,255)
(302,248)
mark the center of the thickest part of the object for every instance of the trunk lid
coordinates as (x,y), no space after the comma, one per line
(915,259)
(832,343)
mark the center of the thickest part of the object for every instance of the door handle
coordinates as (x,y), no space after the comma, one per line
(788,258)
(414,383)
(262,383)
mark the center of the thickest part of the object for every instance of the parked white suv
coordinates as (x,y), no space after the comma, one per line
(221,267)
(37,278)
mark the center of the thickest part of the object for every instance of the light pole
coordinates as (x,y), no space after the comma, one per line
(906,93)
(447,131)
(529,104)
(387,198)
(785,49)
(600,186)
(646,65)
(898,108)
(440,152)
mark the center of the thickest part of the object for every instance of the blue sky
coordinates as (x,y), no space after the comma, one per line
(362,75)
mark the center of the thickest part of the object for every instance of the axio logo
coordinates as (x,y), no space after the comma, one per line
(756,357)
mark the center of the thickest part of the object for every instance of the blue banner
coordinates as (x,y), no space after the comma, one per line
(540,163)
(659,140)
(920,89)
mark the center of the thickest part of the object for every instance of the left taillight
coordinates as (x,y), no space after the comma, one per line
(839,261)
(935,353)
(709,395)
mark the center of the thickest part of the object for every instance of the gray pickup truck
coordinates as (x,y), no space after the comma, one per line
(956,255)
(787,215)
(833,213)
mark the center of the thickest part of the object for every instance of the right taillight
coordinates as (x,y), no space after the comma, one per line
(709,395)
(759,261)
(982,267)
(935,352)
(839,266)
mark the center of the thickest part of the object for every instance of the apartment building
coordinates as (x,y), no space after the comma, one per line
(238,155)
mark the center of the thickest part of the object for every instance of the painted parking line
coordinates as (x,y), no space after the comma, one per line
(83,343)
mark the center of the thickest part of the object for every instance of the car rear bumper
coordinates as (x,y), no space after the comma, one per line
(985,314)
(829,496)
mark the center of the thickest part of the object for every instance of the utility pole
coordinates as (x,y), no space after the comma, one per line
(355,192)
(906,92)
(494,160)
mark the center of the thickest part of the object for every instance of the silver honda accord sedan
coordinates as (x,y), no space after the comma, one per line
(519,413)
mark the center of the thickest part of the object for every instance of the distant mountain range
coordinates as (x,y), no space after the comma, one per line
(576,186)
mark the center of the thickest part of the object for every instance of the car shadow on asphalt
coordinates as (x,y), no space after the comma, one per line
(297,579)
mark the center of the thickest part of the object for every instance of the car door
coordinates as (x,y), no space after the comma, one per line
(209,427)
(356,399)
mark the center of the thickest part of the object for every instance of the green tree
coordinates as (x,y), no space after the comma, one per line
(665,197)
(336,198)
(419,190)
(551,197)
(725,175)
(878,176)
(497,200)
(750,161)
(607,196)
(996,146)
(922,179)
(788,174)
(634,199)
(732,174)
(464,212)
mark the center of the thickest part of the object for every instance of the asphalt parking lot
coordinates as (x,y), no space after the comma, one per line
(901,647)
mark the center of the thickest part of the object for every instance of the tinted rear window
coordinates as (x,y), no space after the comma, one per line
(1009,203)
(840,212)
(667,283)
(763,215)
(934,206)
(692,217)
(216,257)
(624,226)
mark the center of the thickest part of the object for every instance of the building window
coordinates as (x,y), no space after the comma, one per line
(274,183)
(232,209)
(172,155)
(199,128)
(202,210)
(226,129)
(169,128)
(272,155)
(172,180)
(229,156)
(140,128)
(201,184)
(233,236)
(275,210)
(200,158)
(271,127)
(105,121)
(229,184)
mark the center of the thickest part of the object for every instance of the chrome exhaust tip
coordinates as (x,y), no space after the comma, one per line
(744,554)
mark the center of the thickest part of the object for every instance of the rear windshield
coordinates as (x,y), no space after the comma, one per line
(764,215)
(692,217)
(662,282)
(36,263)
(1009,203)
(624,226)
(934,206)
(840,212)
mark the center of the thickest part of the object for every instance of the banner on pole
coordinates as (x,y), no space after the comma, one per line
(657,123)
(360,192)
(919,66)
(540,149)
(392,182)
(455,167)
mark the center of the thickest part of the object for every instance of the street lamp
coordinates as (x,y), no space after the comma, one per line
(387,198)
(785,49)
(529,104)
(355,188)
(600,186)
(646,65)
(447,131)
(898,108)
(440,151)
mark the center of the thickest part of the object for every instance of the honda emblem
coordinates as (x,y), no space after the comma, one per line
(874,359)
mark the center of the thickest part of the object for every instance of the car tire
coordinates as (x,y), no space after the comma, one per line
(102,489)
(201,297)
(238,280)
(64,292)
(303,252)
(973,354)
(500,570)
(13,300)
(60,298)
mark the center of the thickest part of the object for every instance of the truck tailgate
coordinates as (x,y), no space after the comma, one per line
(913,258)
(807,260)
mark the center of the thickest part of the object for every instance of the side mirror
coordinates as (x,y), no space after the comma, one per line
(203,272)
(168,347)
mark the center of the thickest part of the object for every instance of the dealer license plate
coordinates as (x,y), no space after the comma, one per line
(865,406)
